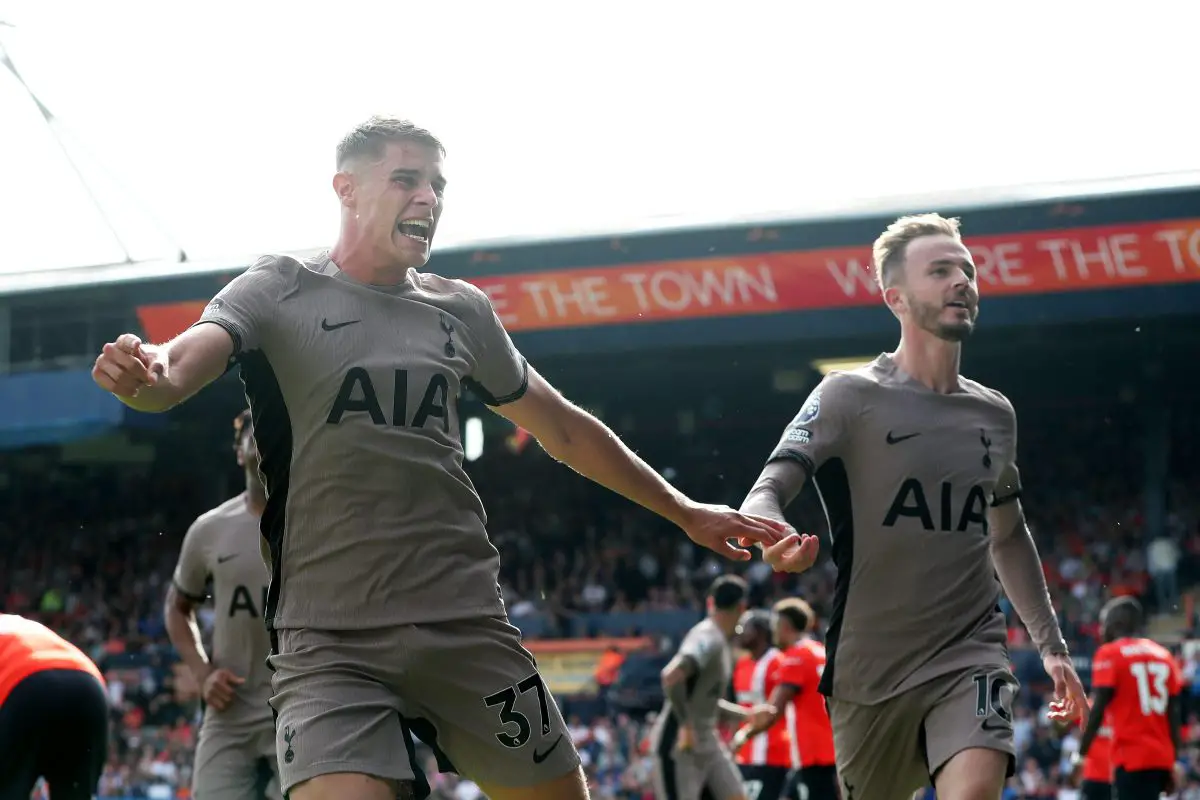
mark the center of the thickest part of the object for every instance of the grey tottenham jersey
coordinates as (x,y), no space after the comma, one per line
(906,476)
(371,519)
(223,544)
(707,646)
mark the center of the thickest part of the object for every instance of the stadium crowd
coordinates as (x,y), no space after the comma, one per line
(97,571)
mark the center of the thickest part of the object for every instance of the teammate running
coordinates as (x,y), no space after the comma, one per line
(691,759)
(916,466)
(1093,772)
(53,714)
(384,606)
(235,756)
(1137,684)
(797,699)
(765,759)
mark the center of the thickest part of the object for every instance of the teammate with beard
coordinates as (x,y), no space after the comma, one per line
(235,756)
(916,467)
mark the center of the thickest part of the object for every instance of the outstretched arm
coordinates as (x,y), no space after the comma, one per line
(585,444)
(775,489)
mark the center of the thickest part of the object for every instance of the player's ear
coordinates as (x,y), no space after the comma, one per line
(343,187)
(894,298)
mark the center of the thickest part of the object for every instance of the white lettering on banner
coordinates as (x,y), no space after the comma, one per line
(1112,257)
(999,265)
(1184,247)
(853,277)
(677,291)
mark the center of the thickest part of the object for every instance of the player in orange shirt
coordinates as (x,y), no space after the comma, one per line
(767,759)
(801,665)
(1137,684)
(53,714)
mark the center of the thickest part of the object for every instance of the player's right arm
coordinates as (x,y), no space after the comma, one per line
(814,436)
(156,378)
(696,654)
(185,594)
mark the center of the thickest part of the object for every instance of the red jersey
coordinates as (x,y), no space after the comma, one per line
(808,719)
(753,683)
(1097,767)
(27,647)
(1143,677)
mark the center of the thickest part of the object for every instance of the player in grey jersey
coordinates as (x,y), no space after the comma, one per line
(916,466)
(690,757)
(384,606)
(235,756)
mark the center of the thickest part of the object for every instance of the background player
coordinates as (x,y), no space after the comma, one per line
(388,611)
(1137,684)
(235,754)
(692,758)
(797,699)
(765,759)
(53,714)
(916,467)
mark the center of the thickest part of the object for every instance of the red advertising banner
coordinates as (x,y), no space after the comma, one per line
(1012,264)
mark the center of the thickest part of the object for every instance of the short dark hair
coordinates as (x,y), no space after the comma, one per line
(240,423)
(371,137)
(1122,614)
(728,592)
(756,620)
(798,613)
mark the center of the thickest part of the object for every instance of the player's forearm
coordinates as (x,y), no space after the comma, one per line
(1020,570)
(731,713)
(775,489)
(184,633)
(589,447)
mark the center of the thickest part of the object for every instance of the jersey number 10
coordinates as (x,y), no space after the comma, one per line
(1151,677)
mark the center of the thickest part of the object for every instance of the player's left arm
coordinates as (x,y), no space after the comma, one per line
(1019,566)
(505,381)
(1174,708)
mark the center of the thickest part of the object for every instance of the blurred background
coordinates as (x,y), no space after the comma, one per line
(672,210)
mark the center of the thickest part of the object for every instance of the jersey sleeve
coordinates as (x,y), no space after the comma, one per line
(818,432)
(192,570)
(247,303)
(500,374)
(1008,485)
(1105,664)
(794,669)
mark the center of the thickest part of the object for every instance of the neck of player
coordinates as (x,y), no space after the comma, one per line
(357,260)
(929,360)
(256,495)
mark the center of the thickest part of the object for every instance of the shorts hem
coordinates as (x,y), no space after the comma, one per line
(526,782)
(293,777)
(1012,758)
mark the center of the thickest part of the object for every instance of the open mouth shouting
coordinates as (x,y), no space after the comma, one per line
(415,229)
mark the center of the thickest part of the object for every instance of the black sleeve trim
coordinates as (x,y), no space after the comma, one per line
(488,398)
(794,455)
(1008,498)
(194,598)
(229,328)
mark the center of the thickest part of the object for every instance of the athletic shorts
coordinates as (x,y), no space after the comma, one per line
(346,701)
(54,725)
(892,749)
(1141,784)
(764,782)
(235,763)
(1095,790)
